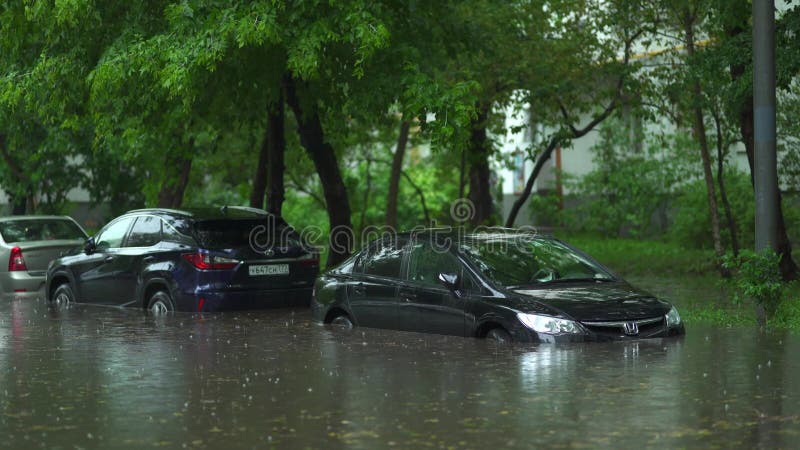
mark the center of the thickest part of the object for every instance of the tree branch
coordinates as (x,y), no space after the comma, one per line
(414,185)
(300,187)
(16,171)
(555,140)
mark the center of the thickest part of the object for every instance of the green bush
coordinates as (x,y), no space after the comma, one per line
(787,314)
(757,278)
(632,182)
(691,222)
(628,256)
(546,209)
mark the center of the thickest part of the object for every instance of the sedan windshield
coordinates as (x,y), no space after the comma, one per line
(525,261)
(28,230)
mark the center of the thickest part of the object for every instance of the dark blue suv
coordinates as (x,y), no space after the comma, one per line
(189,260)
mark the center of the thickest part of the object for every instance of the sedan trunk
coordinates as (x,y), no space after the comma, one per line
(38,254)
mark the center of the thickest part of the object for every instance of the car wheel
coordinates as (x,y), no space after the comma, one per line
(160,304)
(63,296)
(343,322)
(499,335)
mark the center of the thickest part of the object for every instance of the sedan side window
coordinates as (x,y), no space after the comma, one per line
(384,259)
(426,264)
(146,232)
(113,234)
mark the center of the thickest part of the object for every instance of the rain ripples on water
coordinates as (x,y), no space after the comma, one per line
(95,377)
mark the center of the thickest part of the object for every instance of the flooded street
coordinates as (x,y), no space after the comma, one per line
(94,377)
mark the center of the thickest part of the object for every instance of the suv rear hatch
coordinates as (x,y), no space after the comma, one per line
(271,254)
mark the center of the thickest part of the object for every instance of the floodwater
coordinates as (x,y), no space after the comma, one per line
(95,377)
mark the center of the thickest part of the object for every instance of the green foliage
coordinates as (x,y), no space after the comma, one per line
(639,257)
(787,314)
(757,279)
(716,315)
(789,136)
(691,221)
(546,209)
(631,183)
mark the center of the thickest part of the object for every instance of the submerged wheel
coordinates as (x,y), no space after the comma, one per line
(343,322)
(63,296)
(499,335)
(160,304)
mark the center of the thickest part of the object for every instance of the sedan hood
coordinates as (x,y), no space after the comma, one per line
(597,301)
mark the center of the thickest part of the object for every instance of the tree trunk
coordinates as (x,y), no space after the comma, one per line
(312,139)
(394,176)
(19,205)
(699,130)
(462,173)
(789,270)
(723,195)
(526,193)
(555,141)
(268,179)
(367,192)
(260,178)
(275,165)
(178,168)
(480,193)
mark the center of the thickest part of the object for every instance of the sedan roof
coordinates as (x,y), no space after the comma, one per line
(13,218)
(489,234)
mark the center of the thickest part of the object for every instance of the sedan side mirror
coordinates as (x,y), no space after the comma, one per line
(89,247)
(452,282)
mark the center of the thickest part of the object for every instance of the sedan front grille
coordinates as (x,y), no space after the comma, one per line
(627,328)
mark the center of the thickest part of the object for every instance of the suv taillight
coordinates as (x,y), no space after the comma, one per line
(309,259)
(16,262)
(204,261)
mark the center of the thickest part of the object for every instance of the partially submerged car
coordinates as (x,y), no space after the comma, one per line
(28,244)
(506,286)
(200,260)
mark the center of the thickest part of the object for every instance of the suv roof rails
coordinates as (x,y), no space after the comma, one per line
(245,208)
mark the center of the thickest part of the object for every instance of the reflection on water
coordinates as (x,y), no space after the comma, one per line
(93,377)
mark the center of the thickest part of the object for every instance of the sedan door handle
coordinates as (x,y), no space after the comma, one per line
(149,259)
(408,296)
(109,259)
(359,289)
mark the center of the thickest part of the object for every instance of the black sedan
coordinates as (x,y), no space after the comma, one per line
(506,286)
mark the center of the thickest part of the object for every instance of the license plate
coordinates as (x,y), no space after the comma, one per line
(270,269)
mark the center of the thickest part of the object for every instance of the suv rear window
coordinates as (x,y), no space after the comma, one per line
(218,234)
(29,230)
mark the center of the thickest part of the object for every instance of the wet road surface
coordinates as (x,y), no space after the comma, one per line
(96,377)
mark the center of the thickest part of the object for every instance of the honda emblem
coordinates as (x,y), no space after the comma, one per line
(630,328)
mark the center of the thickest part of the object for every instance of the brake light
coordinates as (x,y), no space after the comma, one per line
(310,262)
(16,262)
(309,259)
(204,261)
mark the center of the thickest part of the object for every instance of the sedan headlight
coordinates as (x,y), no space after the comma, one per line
(549,325)
(673,318)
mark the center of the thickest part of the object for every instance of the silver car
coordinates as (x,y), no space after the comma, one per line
(28,244)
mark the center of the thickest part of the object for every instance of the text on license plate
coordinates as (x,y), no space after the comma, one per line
(269,269)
